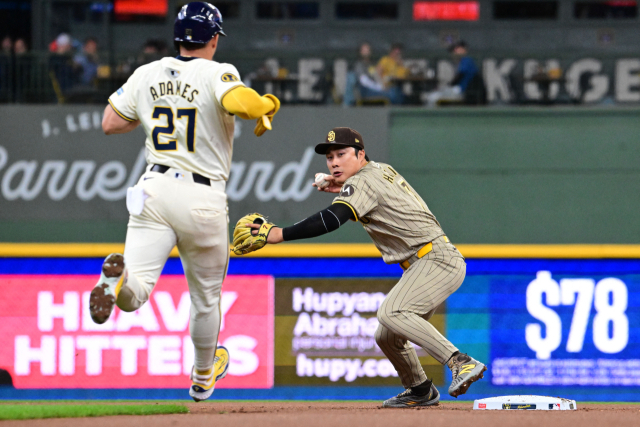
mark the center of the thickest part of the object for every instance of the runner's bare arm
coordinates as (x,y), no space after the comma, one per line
(112,123)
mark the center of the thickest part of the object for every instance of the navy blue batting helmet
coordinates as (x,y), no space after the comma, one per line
(197,22)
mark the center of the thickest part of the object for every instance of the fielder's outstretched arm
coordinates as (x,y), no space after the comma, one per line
(323,222)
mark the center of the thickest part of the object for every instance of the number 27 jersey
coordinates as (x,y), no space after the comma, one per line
(179,104)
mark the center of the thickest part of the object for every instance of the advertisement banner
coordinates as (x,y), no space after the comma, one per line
(325,333)
(50,341)
(556,327)
(57,164)
(559,330)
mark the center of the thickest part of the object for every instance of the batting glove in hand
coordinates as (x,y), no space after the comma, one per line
(264,123)
(244,239)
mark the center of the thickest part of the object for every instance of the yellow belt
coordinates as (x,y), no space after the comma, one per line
(422,252)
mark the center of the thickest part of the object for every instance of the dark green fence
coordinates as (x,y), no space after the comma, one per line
(492,175)
(526,175)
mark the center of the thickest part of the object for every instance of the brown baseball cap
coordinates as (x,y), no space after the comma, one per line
(341,136)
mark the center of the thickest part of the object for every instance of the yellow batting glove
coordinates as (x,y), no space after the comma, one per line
(264,123)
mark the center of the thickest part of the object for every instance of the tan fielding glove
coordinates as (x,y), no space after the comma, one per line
(243,240)
(264,123)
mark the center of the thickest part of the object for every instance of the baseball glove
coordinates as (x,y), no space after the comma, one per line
(263,123)
(243,240)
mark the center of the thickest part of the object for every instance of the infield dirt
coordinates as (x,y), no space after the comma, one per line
(352,414)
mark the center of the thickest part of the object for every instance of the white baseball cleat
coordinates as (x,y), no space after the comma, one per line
(104,294)
(202,385)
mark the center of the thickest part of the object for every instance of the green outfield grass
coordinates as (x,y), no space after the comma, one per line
(26,412)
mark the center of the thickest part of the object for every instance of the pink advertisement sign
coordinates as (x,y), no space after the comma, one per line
(48,340)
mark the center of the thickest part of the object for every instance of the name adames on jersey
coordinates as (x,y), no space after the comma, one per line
(173,88)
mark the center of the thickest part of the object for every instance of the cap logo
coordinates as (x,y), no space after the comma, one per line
(357,140)
(331,137)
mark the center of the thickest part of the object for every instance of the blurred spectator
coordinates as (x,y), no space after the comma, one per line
(152,50)
(271,68)
(20,47)
(87,62)
(5,70)
(22,70)
(150,47)
(391,66)
(365,81)
(61,66)
(467,85)
(163,47)
(363,74)
(6,45)
(63,44)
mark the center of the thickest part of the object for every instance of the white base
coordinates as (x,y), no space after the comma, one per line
(527,402)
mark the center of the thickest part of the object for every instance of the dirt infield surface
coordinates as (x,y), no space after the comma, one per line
(352,414)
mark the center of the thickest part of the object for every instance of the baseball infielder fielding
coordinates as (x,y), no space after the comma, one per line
(187,107)
(406,232)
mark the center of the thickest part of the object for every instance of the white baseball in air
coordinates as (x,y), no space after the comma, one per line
(320,180)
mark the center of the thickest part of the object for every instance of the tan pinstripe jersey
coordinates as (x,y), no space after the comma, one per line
(395,216)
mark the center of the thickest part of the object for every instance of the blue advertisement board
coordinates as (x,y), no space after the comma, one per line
(556,327)
(566,328)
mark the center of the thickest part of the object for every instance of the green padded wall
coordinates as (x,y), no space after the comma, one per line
(540,175)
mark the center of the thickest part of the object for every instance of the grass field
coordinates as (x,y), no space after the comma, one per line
(34,411)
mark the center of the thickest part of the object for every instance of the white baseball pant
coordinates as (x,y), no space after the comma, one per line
(194,217)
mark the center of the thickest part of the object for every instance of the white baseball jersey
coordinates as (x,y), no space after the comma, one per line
(179,104)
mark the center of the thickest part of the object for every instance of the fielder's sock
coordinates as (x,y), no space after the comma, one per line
(455,353)
(422,389)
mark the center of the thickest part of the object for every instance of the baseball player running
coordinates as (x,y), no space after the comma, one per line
(406,232)
(186,106)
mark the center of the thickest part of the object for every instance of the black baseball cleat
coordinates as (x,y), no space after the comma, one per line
(465,370)
(408,399)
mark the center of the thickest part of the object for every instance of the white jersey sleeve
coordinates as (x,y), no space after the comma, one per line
(226,78)
(124,100)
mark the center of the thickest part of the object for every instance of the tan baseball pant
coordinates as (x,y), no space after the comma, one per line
(193,217)
(404,314)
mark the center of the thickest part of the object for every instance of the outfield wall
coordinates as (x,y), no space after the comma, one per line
(508,176)
(302,328)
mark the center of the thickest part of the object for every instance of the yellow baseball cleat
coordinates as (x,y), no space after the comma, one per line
(465,370)
(202,384)
(104,294)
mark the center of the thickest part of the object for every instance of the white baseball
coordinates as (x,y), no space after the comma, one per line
(320,180)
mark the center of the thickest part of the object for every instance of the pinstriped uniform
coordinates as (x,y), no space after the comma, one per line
(400,224)
(394,215)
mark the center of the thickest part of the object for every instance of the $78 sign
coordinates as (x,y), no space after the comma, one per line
(609,297)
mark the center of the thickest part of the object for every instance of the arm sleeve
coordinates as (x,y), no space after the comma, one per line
(123,101)
(320,223)
(246,103)
(358,195)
